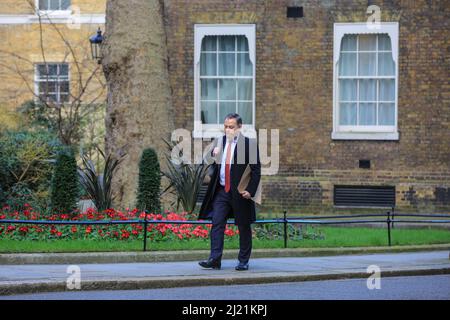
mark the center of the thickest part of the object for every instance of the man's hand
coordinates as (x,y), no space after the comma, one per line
(246,194)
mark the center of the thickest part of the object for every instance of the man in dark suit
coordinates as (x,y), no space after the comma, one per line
(223,200)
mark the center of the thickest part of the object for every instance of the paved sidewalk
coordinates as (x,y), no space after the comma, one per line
(193,255)
(16,279)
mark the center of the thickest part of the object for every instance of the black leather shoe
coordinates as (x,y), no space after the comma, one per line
(210,264)
(242,266)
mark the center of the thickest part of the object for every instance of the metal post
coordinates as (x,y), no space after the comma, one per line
(285,229)
(145,230)
(392,217)
(389,227)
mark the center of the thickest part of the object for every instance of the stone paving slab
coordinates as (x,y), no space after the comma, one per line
(16,279)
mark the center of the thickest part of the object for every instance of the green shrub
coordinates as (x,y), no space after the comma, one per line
(64,186)
(294,231)
(149,186)
(26,166)
(2,195)
(185,179)
(38,116)
(98,186)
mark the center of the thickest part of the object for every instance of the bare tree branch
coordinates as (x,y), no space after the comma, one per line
(68,115)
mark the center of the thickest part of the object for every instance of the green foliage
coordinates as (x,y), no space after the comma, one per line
(20,195)
(336,237)
(149,186)
(26,166)
(38,116)
(98,185)
(2,195)
(64,186)
(294,232)
(185,180)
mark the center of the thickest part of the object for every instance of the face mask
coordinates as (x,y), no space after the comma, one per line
(230,135)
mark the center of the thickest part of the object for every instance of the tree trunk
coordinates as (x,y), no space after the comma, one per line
(139,108)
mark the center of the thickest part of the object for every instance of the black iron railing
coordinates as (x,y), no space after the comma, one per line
(387,218)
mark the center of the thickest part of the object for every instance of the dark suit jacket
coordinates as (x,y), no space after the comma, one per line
(243,210)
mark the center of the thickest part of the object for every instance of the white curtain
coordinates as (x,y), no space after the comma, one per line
(366,55)
(225,56)
(209,100)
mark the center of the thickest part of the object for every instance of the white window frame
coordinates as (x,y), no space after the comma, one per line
(363,132)
(67,18)
(200,31)
(53,13)
(37,80)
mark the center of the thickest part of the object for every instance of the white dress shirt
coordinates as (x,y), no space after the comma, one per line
(224,157)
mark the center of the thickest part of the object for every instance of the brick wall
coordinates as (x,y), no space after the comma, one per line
(294,90)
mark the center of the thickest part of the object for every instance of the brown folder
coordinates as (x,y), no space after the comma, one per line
(245,179)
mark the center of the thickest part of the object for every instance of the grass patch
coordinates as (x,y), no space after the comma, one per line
(333,237)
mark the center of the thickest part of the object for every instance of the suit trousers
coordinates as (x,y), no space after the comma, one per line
(221,208)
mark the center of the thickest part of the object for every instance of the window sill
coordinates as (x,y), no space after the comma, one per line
(55,12)
(365,136)
(51,16)
(54,17)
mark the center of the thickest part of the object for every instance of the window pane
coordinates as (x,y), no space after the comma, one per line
(54,5)
(347,90)
(53,69)
(42,70)
(47,87)
(64,69)
(242,43)
(385,64)
(208,89)
(245,111)
(227,43)
(347,64)
(208,64)
(367,63)
(349,43)
(43,87)
(225,108)
(384,42)
(227,89)
(226,64)
(347,114)
(387,90)
(367,90)
(43,5)
(367,42)
(245,89)
(244,66)
(209,43)
(64,87)
(209,112)
(65,4)
(64,98)
(367,114)
(386,114)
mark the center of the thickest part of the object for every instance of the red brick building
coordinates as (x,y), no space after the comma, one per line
(356,102)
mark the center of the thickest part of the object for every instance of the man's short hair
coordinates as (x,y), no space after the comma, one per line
(234,116)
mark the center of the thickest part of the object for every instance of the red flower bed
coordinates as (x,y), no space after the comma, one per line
(161,231)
